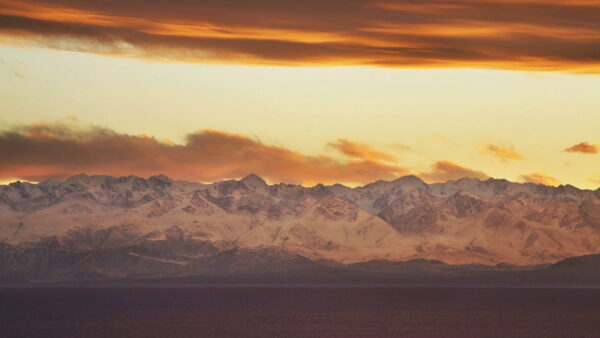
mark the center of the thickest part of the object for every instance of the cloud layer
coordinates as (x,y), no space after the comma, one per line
(57,151)
(514,34)
(38,152)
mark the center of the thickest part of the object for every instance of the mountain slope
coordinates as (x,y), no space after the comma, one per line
(490,221)
(161,226)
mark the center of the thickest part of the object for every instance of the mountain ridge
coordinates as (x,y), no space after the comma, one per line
(465,221)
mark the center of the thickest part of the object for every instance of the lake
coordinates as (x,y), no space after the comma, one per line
(282,311)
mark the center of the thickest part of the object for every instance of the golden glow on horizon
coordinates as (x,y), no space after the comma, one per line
(436,115)
(6,181)
(314,91)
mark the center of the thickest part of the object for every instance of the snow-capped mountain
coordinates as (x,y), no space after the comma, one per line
(169,227)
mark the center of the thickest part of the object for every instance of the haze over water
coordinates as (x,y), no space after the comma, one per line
(298,312)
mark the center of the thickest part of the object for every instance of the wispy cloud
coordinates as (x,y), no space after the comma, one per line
(547,35)
(360,151)
(503,152)
(443,171)
(540,178)
(584,148)
(399,146)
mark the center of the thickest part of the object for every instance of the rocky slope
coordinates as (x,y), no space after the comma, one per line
(130,226)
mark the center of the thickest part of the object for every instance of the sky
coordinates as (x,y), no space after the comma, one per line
(301,92)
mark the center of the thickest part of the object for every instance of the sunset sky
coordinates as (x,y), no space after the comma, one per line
(301,91)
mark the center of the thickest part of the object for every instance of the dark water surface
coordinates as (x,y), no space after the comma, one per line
(298,312)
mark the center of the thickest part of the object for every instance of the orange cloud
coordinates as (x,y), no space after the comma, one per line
(584,148)
(55,151)
(360,151)
(540,178)
(443,171)
(545,35)
(504,153)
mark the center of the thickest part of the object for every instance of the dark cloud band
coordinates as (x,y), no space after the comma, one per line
(402,33)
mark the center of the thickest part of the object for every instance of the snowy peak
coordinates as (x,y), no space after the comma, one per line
(124,191)
(80,178)
(410,182)
(461,221)
(254,181)
(160,178)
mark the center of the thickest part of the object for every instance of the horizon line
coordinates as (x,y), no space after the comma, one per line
(271,183)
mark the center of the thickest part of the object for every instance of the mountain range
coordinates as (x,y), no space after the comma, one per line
(114,228)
